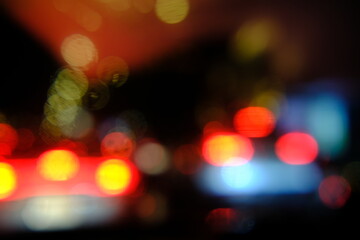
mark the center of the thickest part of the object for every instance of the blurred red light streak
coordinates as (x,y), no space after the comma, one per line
(30,182)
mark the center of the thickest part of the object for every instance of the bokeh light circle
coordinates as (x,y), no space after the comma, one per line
(116,177)
(78,51)
(172,11)
(254,122)
(117,144)
(296,148)
(334,191)
(227,149)
(152,158)
(58,165)
(8,180)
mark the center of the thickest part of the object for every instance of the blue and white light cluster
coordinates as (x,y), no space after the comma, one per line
(258,177)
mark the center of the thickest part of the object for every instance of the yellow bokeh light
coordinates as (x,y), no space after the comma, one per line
(172,11)
(113,176)
(253,38)
(58,165)
(59,111)
(7,180)
(70,84)
(78,51)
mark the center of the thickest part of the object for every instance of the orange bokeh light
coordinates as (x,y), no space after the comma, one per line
(254,122)
(296,148)
(227,149)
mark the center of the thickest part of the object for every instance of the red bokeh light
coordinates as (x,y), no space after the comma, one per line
(296,148)
(117,144)
(334,191)
(8,139)
(254,122)
(31,181)
(227,149)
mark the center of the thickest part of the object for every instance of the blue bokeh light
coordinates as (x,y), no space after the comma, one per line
(265,176)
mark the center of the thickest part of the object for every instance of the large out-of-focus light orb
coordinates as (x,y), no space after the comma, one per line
(254,122)
(64,212)
(116,176)
(50,213)
(60,111)
(78,51)
(7,180)
(70,84)
(172,11)
(117,144)
(151,158)
(223,148)
(328,122)
(58,165)
(334,191)
(237,176)
(296,148)
(258,177)
(254,38)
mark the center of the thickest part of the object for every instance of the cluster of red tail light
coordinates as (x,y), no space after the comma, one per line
(222,148)
(61,172)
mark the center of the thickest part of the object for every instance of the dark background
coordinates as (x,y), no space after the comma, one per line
(331,30)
